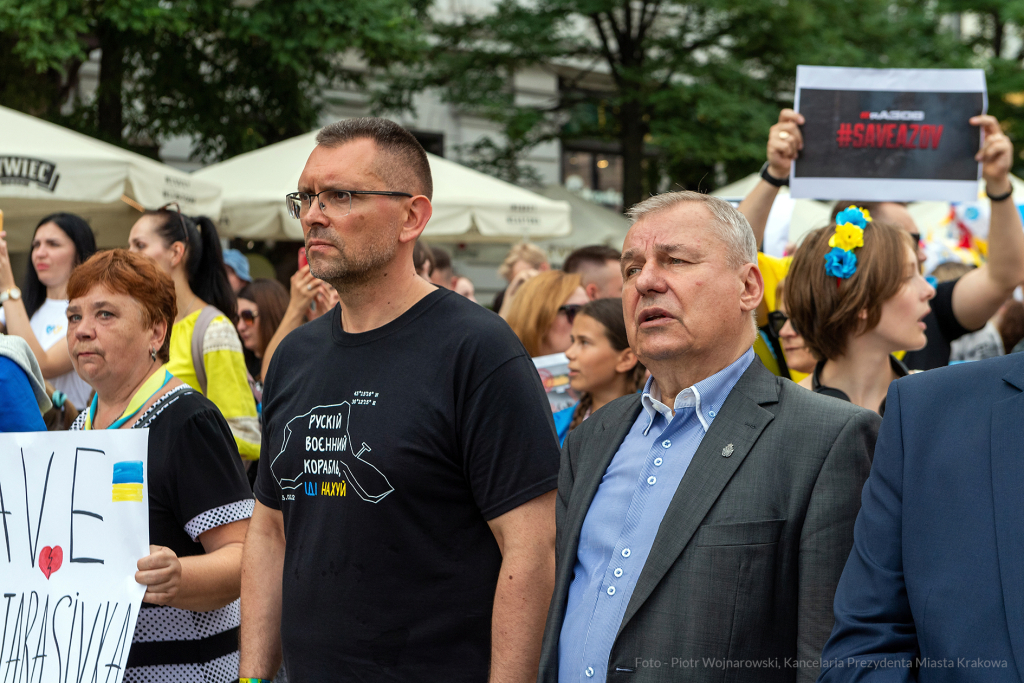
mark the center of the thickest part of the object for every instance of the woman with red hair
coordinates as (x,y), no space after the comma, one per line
(120,314)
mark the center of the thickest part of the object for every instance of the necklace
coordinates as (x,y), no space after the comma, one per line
(151,385)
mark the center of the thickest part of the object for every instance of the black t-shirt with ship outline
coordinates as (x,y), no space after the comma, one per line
(387,453)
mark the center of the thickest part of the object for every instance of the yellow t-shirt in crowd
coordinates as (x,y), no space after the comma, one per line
(227,385)
(773,269)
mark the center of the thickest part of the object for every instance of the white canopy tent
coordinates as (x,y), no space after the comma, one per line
(45,168)
(468,206)
(591,224)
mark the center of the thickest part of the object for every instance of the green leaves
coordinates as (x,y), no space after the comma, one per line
(48,31)
(681,86)
(234,74)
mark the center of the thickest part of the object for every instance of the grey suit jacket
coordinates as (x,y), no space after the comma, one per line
(740,580)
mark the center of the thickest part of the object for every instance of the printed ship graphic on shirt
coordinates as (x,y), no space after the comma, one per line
(321,445)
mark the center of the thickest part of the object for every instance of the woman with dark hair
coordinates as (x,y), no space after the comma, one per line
(36,312)
(856,294)
(261,307)
(205,350)
(602,367)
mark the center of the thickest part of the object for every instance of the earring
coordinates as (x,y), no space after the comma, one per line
(152,353)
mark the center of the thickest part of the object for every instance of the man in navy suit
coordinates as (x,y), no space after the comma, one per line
(934,587)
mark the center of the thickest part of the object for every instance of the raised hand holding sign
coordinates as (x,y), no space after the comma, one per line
(888,134)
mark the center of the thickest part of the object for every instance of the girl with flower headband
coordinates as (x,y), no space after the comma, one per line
(856,294)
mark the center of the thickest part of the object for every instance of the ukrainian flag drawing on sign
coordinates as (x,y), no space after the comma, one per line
(127,481)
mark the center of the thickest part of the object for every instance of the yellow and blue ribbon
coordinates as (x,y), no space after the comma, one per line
(148,390)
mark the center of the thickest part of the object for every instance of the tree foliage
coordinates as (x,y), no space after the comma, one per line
(234,75)
(682,86)
(993,31)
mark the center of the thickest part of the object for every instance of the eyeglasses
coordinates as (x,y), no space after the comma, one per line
(570,311)
(176,208)
(248,317)
(334,203)
(916,236)
(776,321)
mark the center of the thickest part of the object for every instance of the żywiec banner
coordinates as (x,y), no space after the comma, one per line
(888,134)
(74,507)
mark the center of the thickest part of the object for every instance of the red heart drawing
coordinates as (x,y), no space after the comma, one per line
(50,559)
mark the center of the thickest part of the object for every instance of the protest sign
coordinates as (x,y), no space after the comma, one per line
(888,134)
(74,507)
(554,373)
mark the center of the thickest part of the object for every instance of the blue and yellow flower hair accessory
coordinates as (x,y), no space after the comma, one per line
(855,215)
(841,262)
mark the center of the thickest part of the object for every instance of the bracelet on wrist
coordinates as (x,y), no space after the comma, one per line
(255,680)
(772,180)
(998,197)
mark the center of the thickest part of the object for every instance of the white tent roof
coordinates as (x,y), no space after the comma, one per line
(591,224)
(469,206)
(46,168)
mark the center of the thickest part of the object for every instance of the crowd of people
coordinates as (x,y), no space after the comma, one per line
(359,477)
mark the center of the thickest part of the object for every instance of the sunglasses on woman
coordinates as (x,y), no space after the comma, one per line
(776,321)
(248,317)
(570,311)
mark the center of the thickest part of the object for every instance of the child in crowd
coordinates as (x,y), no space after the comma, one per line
(602,367)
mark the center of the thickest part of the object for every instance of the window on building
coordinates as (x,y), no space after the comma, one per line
(596,176)
(432,142)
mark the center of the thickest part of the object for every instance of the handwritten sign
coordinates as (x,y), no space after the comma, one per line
(888,134)
(74,507)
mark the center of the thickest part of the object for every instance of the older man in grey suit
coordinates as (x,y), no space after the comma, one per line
(702,525)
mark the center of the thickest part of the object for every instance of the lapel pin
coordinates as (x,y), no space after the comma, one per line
(727,451)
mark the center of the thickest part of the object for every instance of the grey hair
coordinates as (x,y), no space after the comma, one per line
(729,225)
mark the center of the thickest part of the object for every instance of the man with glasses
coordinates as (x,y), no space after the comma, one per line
(404,524)
(959,307)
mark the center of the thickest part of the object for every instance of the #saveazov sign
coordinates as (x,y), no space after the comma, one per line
(888,134)
(74,507)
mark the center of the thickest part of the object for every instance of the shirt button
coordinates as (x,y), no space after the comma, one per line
(618,572)
(611,590)
(651,481)
(625,552)
(657,462)
(711,413)
(589,672)
(666,444)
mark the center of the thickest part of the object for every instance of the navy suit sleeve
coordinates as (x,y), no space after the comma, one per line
(874,638)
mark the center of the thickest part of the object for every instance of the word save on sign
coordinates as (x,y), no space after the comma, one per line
(74,507)
(888,134)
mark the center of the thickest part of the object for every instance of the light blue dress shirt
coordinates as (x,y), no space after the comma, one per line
(624,517)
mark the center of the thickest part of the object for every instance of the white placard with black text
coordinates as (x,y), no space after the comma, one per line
(888,134)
